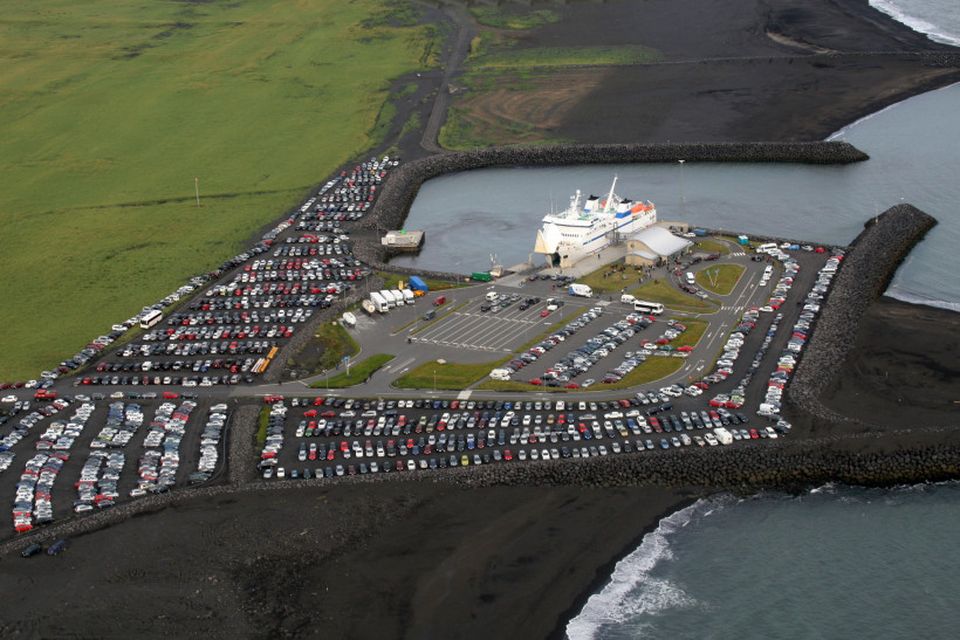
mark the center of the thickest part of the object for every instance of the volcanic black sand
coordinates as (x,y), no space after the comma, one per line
(904,369)
(727,70)
(421,560)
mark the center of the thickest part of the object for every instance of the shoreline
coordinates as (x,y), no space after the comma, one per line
(605,571)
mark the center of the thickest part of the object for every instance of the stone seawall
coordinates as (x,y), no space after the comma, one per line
(401,188)
(864,275)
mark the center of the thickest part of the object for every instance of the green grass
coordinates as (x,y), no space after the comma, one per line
(720,278)
(391,280)
(108,110)
(660,291)
(358,373)
(713,246)
(592,56)
(449,375)
(336,344)
(499,19)
(262,423)
(610,278)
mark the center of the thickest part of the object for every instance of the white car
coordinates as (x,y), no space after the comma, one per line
(9,399)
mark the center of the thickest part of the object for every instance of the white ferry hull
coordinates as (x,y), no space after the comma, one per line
(568,237)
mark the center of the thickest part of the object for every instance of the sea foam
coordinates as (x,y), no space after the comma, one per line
(896,10)
(632,591)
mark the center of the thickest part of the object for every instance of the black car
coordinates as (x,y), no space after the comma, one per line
(32,550)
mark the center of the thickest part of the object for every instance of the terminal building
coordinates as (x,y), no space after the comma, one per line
(654,246)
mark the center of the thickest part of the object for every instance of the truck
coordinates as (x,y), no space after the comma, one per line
(379,303)
(417,284)
(388,298)
(396,296)
(408,296)
(581,290)
(481,276)
(723,436)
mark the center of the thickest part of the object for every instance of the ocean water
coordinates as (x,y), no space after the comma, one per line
(939,19)
(838,562)
(915,157)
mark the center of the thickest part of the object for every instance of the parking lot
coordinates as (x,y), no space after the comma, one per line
(88,454)
(475,326)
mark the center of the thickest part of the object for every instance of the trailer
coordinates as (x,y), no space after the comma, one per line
(379,303)
(388,298)
(481,276)
(417,284)
(581,290)
(396,297)
(369,307)
(349,319)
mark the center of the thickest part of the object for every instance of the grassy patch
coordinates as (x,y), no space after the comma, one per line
(713,246)
(461,132)
(358,373)
(592,56)
(333,343)
(612,277)
(108,110)
(449,375)
(695,331)
(262,423)
(498,18)
(660,291)
(391,280)
(720,278)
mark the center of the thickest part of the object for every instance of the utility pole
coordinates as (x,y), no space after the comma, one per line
(196,188)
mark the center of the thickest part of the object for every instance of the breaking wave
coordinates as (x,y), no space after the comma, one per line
(632,591)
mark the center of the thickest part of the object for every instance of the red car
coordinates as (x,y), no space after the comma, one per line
(544,313)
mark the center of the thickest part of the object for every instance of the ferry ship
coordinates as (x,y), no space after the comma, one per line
(585,228)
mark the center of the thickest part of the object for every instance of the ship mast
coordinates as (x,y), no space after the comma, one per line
(606,206)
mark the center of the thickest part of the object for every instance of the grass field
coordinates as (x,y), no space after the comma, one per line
(392,279)
(108,110)
(609,278)
(358,373)
(262,421)
(336,344)
(660,291)
(720,278)
(713,246)
(498,18)
(449,375)
(540,57)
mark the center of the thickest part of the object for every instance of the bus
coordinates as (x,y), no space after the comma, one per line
(642,306)
(151,319)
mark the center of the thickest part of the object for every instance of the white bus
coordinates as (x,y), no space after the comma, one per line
(642,306)
(151,319)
